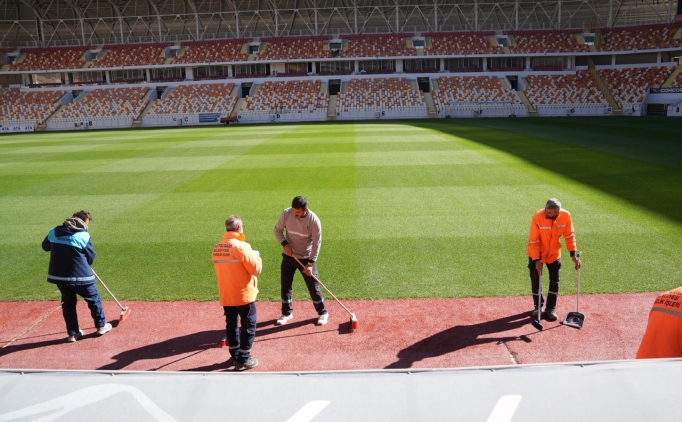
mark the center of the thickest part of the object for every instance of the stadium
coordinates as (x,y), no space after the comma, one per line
(424,135)
(107,65)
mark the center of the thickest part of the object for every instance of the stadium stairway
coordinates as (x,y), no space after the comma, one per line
(413,84)
(237,107)
(331,110)
(532,111)
(430,106)
(668,82)
(616,108)
(434,84)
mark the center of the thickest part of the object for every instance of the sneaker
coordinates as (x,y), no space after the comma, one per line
(248,364)
(75,337)
(535,313)
(323,319)
(284,319)
(103,330)
(550,314)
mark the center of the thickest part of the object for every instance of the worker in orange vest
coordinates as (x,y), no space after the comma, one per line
(544,248)
(663,335)
(237,266)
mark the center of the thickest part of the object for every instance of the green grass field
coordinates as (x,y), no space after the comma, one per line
(408,209)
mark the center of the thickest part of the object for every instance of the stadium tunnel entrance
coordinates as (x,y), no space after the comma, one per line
(334,86)
(424,84)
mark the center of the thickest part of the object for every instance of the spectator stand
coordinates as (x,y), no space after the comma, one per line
(476,96)
(566,95)
(375,97)
(292,100)
(21,110)
(630,86)
(102,108)
(196,104)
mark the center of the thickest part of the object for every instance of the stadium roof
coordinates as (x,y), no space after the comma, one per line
(42,23)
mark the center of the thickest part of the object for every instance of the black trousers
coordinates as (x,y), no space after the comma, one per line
(553,293)
(240,340)
(287,272)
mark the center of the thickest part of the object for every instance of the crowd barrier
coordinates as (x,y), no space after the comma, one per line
(418,113)
(517,110)
(280,117)
(15,127)
(90,123)
(574,110)
(183,119)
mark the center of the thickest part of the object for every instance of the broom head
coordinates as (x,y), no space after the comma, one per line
(124,313)
(353,322)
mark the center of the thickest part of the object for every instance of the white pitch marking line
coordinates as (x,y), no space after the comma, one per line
(504,409)
(309,411)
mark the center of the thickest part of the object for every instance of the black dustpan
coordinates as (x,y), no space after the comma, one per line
(576,319)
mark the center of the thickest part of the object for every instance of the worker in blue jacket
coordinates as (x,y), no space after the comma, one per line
(71,255)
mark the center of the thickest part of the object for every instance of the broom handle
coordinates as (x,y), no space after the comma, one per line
(577,299)
(325,287)
(105,286)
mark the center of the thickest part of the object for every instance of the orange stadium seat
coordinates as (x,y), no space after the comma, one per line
(629,86)
(561,90)
(546,42)
(287,97)
(54,58)
(107,104)
(133,55)
(457,43)
(220,51)
(646,37)
(28,106)
(284,48)
(380,94)
(377,45)
(453,90)
(193,99)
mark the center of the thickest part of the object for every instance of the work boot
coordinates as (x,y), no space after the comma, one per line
(550,314)
(247,364)
(284,319)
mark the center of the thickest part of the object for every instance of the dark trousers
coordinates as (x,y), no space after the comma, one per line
(240,340)
(89,293)
(553,293)
(288,269)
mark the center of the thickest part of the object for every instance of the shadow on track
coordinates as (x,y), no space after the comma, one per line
(460,337)
(192,343)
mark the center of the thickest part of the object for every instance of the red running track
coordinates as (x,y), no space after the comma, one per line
(401,333)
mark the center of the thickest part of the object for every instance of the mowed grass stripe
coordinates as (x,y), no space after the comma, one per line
(425,209)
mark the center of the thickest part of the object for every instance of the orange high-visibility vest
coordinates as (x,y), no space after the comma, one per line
(236,267)
(663,334)
(543,242)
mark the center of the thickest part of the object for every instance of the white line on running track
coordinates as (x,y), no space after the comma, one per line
(31,327)
(309,411)
(504,409)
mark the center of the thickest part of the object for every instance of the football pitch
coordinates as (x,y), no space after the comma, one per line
(425,208)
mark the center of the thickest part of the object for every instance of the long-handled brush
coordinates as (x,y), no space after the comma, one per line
(536,322)
(125,311)
(576,319)
(353,318)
